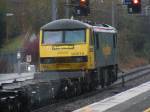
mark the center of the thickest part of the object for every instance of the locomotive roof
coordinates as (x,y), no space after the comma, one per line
(104,28)
(65,24)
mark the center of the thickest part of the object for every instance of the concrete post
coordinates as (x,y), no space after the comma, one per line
(113,14)
(54,9)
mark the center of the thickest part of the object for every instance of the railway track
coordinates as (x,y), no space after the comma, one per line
(122,81)
(10,100)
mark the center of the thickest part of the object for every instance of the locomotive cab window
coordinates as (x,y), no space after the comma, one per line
(52,37)
(66,36)
(74,36)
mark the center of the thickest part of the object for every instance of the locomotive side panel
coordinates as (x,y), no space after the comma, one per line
(105,49)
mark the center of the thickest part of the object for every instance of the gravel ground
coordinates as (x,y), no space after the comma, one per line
(102,95)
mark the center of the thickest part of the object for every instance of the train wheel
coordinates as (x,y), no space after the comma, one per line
(102,78)
(94,81)
(113,74)
(78,90)
(109,77)
(105,77)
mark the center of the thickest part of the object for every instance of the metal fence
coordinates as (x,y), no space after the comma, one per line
(8,62)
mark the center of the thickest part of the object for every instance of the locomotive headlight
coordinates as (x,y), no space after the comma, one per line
(81,59)
(47,60)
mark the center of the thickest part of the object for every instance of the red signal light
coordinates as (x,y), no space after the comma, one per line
(136,2)
(83,2)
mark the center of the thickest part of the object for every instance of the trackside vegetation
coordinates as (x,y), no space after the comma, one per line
(30,15)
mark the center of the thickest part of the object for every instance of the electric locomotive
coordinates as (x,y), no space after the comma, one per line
(79,53)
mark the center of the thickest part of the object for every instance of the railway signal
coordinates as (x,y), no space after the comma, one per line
(134,6)
(81,8)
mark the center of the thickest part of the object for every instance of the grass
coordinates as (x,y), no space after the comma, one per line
(12,45)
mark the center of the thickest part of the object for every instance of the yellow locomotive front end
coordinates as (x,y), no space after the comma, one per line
(66,47)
